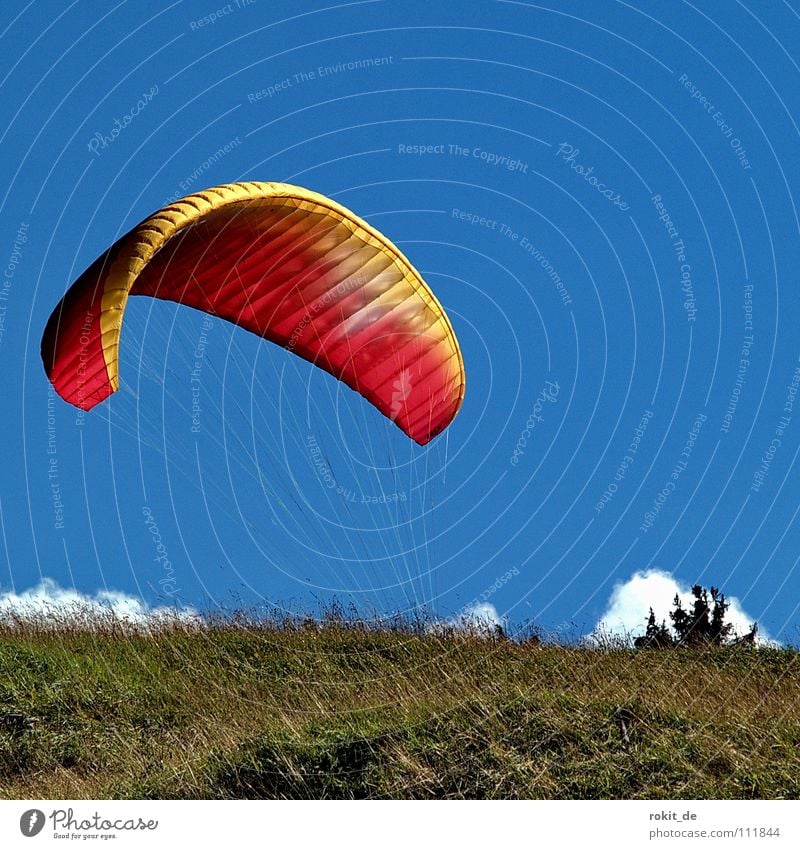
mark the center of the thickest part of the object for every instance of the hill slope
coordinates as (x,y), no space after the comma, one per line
(335,711)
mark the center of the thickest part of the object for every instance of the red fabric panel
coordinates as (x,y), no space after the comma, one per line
(324,294)
(72,347)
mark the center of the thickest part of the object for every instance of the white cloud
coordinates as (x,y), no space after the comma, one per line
(630,603)
(49,604)
(480,617)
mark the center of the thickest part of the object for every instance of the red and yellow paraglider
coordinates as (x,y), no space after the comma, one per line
(287,264)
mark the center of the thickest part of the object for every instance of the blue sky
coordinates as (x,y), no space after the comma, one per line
(601,195)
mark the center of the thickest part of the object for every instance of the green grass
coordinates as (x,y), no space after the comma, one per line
(346,711)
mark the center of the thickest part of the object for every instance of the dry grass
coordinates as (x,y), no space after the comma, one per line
(245,709)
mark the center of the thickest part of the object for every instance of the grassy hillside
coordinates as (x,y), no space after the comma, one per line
(345,711)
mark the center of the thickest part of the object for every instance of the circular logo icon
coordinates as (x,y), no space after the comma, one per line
(31,822)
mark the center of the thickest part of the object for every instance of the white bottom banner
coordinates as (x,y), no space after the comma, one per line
(402,824)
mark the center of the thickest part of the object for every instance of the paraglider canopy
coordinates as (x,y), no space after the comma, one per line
(283,262)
